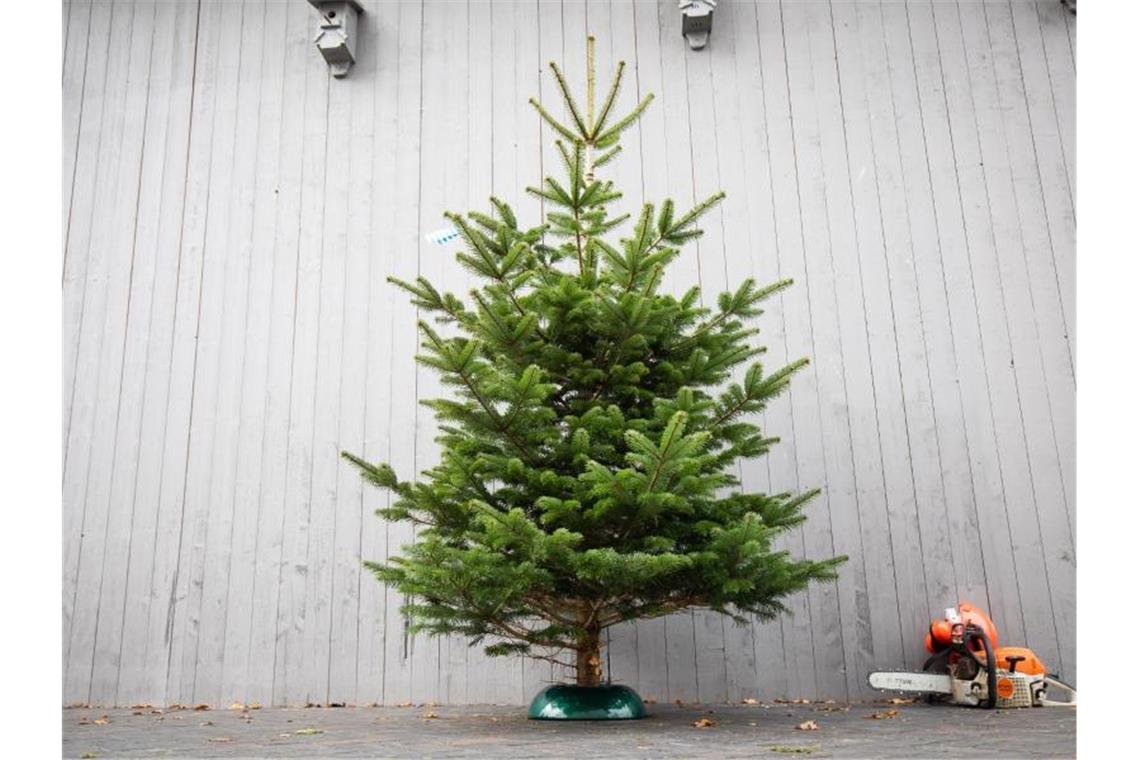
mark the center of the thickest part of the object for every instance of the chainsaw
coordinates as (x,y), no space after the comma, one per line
(966,667)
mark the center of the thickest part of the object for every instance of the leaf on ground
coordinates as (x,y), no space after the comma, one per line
(704,722)
(808,725)
(220,739)
(141,707)
(430,715)
(237,706)
(200,708)
(86,755)
(406,704)
(789,749)
(206,723)
(308,731)
(900,701)
(102,721)
(253,706)
(751,701)
(884,715)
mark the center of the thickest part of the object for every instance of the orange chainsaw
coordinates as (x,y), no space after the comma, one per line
(969,668)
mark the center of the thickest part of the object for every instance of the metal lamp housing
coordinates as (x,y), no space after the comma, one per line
(696,21)
(336,33)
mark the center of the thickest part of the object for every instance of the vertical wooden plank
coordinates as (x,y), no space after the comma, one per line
(255,234)
(797,626)
(1043,178)
(142,669)
(77,27)
(759,260)
(168,587)
(649,143)
(927,238)
(739,256)
(231,223)
(971,393)
(399,673)
(1044,379)
(1050,90)
(855,445)
(1008,270)
(984,390)
(680,629)
(535,674)
(121,528)
(373,649)
(836,359)
(93,123)
(267,635)
(704,147)
(458,99)
(83,261)
(872,609)
(291,684)
(324,492)
(433,158)
(208,457)
(346,570)
(100,367)
(619,37)
(1052,30)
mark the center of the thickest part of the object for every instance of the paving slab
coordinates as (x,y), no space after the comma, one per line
(917,730)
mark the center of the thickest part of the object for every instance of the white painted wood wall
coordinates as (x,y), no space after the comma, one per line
(231,213)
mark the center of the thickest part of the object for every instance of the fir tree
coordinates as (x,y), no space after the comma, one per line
(587,453)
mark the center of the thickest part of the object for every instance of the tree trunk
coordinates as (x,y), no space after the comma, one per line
(590,658)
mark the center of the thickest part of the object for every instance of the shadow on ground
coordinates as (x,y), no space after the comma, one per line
(865,730)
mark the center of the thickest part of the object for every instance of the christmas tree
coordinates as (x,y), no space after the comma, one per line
(587,454)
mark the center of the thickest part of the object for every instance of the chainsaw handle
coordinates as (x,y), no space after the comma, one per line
(1013,660)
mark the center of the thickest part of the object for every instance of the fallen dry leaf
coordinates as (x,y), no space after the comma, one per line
(430,715)
(900,701)
(253,706)
(237,706)
(102,721)
(219,739)
(308,731)
(751,701)
(201,707)
(88,755)
(795,750)
(206,723)
(884,715)
(704,722)
(406,704)
(137,712)
(808,725)
(141,707)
